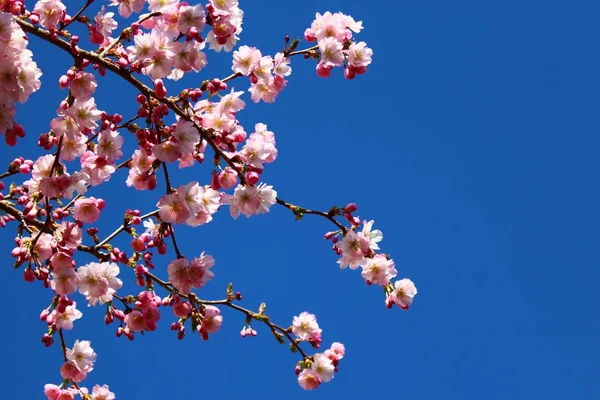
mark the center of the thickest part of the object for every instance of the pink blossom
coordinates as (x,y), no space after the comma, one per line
(281,65)
(109,144)
(323,366)
(98,169)
(264,90)
(159,5)
(83,355)
(64,280)
(212,319)
(70,370)
(249,200)
(338,350)
(73,147)
(185,275)
(98,281)
(404,293)
(104,23)
(102,393)
(309,379)
(354,247)
(379,270)
(167,151)
(191,16)
(68,235)
(87,210)
(228,178)
(244,59)
(83,85)
(51,391)
(60,259)
(65,319)
(227,25)
(84,112)
(51,12)
(135,321)
(182,309)
(172,209)
(231,102)
(126,7)
(331,51)
(44,246)
(187,136)
(305,327)
(359,55)
(373,236)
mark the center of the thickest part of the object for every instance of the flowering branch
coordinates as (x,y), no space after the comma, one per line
(50,236)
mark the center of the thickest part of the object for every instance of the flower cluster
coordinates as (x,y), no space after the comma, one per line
(333,34)
(184,275)
(358,250)
(146,313)
(19,75)
(321,366)
(79,362)
(166,43)
(190,204)
(158,53)
(267,74)
(226,20)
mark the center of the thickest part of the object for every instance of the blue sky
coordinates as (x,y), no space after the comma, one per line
(472,142)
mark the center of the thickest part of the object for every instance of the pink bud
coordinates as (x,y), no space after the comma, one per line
(138,244)
(228,178)
(252,177)
(182,309)
(34,18)
(350,208)
(29,275)
(101,204)
(324,70)
(44,315)
(63,82)
(159,88)
(349,73)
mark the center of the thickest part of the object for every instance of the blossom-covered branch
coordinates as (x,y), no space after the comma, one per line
(165,44)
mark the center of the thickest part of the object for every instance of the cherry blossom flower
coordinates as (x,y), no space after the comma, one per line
(373,236)
(98,281)
(212,319)
(109,144)
(323,366)
(404,293)
(83,85)
(51,12)
(309,379)
(249,200)
(191,17)
(104,24)
(244,59)
(65,280)
(65,319)
(102,393)
(83,355)
(379,270)
(87,210)
(127,7)
(305,327)
(354,247)
(185,275)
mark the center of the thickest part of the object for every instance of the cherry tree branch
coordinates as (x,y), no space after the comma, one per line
(169,102)
(122,228)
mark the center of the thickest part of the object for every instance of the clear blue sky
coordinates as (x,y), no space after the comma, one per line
(472,141)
